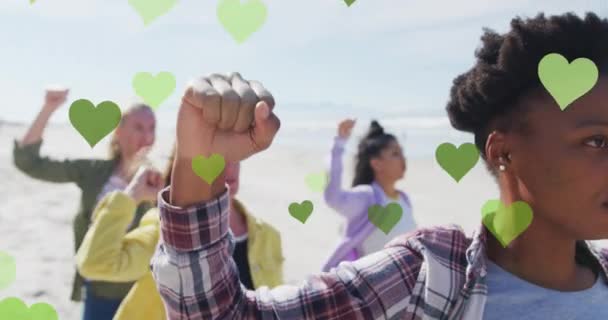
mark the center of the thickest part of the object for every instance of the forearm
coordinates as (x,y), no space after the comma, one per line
(193,262)
(34,133)
(334,183)
(335,161)
(188,189)
(198,278)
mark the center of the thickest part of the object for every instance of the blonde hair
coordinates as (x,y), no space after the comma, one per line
(114,151)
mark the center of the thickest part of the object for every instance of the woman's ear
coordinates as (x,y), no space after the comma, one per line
(118,131)
(375,164)
(497,150)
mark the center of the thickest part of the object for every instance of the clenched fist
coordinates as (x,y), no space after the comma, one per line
(227,115)
(54,98)
(345,128)
(145,185)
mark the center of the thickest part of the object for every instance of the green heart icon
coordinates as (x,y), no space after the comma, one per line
(15,309)
(385,218)
(149,10)
(349,2)
(8,270)
(241,20)
(208,168)
(301,211)
(94,123)
(154,90)
(457,162)
(317,182)
(506,223)
(567,82)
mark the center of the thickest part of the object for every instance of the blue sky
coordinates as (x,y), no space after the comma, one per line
(398,56)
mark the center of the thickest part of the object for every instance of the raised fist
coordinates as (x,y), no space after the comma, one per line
(54,98)
(145,185)
(227,115)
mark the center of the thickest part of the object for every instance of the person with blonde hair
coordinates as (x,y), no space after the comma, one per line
(95,178)
(110,253)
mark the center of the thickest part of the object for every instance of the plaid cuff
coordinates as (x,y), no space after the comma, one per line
(195,227)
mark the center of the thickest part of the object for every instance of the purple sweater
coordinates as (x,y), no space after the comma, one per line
(353,205)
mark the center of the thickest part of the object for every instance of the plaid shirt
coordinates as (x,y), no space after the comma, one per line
(435,273)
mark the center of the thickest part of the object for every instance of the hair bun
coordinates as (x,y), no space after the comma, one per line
(375,129)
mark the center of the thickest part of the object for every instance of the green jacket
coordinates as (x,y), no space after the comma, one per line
(90,175)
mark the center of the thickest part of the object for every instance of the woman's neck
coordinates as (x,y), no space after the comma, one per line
(125,169)
(543,256)
(388,187)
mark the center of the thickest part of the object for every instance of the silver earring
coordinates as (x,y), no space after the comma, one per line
(502,166)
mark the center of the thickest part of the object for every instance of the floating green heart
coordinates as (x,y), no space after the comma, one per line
(154,90)
(149,10)
(457,162)
(385,218)
(301,211)
(567,82)
(15,309)
(208,168)
(317,182)
(8,270)
(241,20)
(506,223)
(94,123)
(349,2)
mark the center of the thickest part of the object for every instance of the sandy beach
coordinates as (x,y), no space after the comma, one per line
(35,217)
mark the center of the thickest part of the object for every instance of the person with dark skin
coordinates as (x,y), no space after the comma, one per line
(553,160)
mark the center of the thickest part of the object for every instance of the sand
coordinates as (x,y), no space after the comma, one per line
(35,216)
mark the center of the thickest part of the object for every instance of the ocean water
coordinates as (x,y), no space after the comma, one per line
(313,126)
(418,133)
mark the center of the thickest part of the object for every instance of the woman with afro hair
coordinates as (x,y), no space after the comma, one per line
(554,160)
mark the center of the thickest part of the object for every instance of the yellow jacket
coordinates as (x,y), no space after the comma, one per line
(109,253)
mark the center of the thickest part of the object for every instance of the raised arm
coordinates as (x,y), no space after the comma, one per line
(198,278)
(347,202)
(52,101)
(26,152)
(193,266)
(107,252)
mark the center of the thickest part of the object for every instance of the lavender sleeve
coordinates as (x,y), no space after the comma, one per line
(346,202)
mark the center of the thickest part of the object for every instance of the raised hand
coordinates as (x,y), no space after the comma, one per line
(345,128)
(227,115)
(145,185)
(220,114)
(54,98)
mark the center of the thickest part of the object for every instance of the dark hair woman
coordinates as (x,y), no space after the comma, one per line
(379,165)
